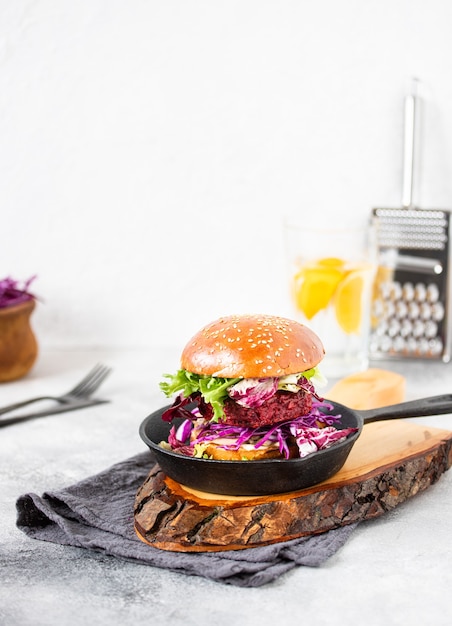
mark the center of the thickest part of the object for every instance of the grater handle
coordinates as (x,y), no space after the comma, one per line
(411,105)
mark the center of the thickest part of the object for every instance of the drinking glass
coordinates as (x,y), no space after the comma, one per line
(331,273)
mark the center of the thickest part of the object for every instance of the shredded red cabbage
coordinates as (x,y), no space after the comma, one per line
(253,392)
(307,385)
(312,439)
(312,432)
(178,408)
(12,293)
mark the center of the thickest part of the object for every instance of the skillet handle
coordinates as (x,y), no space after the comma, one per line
(435,405)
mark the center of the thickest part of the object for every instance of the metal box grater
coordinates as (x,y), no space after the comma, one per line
(411,312)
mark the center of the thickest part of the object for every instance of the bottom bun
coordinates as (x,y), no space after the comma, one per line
(247,452)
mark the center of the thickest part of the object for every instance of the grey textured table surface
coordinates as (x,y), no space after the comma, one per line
(394,570)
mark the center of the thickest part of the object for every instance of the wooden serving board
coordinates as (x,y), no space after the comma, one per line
(390,462)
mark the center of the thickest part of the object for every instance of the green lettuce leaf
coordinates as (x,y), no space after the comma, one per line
(213,389)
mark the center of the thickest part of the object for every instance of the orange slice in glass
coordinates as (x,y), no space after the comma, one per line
(315,286)
(331,262)
(347,302)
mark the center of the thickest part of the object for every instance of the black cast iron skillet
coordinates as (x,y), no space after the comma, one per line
(271,476)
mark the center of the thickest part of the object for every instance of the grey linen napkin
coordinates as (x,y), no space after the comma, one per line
(97,514)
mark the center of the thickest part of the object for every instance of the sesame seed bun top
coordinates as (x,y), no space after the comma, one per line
(252,346)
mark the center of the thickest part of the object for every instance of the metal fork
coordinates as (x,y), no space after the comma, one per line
(78,397)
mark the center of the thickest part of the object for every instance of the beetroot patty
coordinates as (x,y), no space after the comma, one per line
(284,405)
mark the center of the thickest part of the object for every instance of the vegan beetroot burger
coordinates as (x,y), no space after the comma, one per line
(246,391)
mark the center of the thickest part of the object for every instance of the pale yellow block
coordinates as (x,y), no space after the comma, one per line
(369,390)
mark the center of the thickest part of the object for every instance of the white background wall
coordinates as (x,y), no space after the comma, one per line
(149,149)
